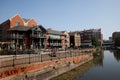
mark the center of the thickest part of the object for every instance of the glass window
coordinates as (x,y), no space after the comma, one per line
(17,23)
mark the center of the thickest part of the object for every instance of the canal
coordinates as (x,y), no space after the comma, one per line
(104,66)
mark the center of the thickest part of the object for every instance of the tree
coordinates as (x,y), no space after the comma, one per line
(95,42)
(117,42)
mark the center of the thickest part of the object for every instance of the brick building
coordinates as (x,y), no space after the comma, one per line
(16,20)
(55,39)
(115,35)
(87,35)
(67,39)
(27,37)
(75,39)
(22,32)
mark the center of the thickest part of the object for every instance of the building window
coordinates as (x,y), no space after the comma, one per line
(17,23)
(0,33)
(32,25)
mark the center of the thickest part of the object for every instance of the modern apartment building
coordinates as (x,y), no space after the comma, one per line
(87,35)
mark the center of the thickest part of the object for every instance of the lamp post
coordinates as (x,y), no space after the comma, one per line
(13,45)
(40,54)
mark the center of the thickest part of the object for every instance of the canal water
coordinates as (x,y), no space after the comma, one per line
(104,66)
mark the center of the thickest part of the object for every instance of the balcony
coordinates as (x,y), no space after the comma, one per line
(37,36)
(55,44)
(16,36)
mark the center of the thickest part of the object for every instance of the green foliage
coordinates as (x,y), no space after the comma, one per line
(95,42)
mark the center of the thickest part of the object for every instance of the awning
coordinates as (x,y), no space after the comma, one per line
(54,36)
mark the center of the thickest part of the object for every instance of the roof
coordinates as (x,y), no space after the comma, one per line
(63,31)
(26,28)
(53,31)
(26,20)
(42,28)
(4,22)
(20,28)
(72,33)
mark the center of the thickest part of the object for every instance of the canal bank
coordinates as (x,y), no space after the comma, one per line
(82,69)
(48,69)
(62,69)
(104,66)
(71,75)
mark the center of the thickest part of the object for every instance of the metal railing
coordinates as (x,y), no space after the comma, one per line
(15,60)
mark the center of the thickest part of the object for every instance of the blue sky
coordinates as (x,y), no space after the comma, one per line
(70,15)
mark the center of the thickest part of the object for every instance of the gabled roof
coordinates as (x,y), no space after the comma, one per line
(25,20)
(26,28)
(53,31)
(4,22)
(20,28)
(72,33)
(42,28)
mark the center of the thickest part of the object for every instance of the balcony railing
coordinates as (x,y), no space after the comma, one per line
(55,44)
(37,36)
(16,36)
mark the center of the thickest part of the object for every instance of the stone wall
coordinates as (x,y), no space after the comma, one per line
(45,70)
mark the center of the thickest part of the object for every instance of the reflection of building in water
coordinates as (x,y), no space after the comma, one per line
(117,55)
(98,58)
(76,73)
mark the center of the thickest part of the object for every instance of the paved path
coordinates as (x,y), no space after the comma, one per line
(13,60)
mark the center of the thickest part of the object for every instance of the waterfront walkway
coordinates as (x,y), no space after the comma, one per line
(17,60)
(19,64)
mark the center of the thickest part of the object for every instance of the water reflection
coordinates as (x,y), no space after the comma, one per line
(98,58)
(76,73)
(71,75)
(117,55)
(96,62)
(104,66)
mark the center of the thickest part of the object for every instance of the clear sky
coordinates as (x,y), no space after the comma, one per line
(70,15)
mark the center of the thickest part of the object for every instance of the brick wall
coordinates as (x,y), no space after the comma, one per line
(4,27)
(31,22)
(10,23)
(15,19)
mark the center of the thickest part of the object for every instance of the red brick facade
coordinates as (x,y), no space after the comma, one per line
(3,28)
(16,20)
(31,22)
